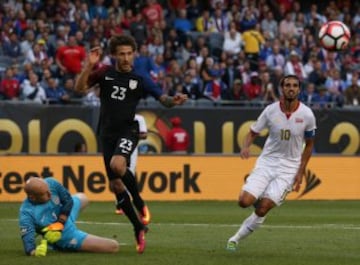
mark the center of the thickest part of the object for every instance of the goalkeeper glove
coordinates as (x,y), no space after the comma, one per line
(53,232)
(41,249)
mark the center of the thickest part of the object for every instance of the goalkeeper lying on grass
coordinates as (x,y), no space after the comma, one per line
(50,210)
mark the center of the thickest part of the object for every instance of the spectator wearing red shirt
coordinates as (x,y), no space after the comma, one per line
(287,4)
(10,86)
(112,28)
(176,4)
(252,88)
(152,12)
(177,139)
(70,57)
(127,19)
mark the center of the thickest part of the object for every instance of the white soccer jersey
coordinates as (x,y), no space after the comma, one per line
(284,145)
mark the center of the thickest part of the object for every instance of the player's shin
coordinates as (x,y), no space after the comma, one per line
(131,185)
(139,229)
(249,225)
(125,204)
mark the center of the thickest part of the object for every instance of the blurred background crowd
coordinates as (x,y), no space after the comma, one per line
(219,51)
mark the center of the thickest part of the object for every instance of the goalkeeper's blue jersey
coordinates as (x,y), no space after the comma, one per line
(34,217)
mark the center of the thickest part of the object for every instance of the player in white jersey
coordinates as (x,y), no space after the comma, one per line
(281,165)
(130,182)
(142,136)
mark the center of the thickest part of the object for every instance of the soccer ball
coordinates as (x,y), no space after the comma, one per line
(334,36)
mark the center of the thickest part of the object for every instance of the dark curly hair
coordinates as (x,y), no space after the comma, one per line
(122,40)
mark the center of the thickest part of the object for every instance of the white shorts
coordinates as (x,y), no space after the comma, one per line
(270,182)
(133,160)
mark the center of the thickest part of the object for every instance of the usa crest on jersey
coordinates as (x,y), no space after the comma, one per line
(133,83)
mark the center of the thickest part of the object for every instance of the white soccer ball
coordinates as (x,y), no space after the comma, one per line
(334,36)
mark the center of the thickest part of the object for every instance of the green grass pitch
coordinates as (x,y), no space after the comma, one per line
(195,232)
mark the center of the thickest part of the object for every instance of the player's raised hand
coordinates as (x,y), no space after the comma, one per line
(180,99)
(94,56)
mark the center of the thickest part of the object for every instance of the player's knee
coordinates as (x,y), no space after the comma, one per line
(117,186)
(115,167)
(261,211)
(243,203)
(246,199)
(118,166)
(114,247)
(83,199)
(264,207)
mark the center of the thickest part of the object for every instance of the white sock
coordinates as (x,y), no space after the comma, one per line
(248,226)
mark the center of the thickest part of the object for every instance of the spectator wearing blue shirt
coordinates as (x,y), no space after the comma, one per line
(11,47)
(309,96)
(158,66)
(98,10)
(216,89)
(266,50)
(248,22)
(55,93)
(181,23)
(143,63)
(325,100)
(318,75)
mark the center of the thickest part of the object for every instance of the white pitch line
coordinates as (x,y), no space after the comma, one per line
(322,226)
(319,226)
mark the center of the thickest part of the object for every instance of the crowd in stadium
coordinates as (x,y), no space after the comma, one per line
(222,51)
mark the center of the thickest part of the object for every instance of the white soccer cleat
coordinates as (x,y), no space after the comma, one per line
(231,245)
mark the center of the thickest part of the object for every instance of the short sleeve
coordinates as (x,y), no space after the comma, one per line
(261,122)
(310,125)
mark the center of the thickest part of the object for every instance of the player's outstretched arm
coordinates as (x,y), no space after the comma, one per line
(81,84)
(170,102)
